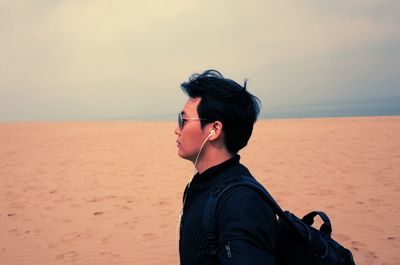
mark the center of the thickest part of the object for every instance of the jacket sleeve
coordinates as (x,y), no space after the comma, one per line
(247,228)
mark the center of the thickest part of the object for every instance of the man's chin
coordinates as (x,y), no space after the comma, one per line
(186,157)
(181,155)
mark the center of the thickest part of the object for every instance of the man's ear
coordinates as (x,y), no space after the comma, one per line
(216,130)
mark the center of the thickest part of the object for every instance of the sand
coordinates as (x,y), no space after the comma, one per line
(110,192)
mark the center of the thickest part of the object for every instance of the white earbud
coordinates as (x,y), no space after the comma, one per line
(212,132)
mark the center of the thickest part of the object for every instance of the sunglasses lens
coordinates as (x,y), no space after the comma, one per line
(180,120)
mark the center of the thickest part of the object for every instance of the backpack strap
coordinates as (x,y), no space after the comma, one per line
(209,218)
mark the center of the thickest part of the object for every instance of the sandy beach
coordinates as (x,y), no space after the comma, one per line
(110,192)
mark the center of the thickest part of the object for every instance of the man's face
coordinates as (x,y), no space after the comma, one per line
(190,136)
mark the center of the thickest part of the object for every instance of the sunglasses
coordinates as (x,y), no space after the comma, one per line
(181,120)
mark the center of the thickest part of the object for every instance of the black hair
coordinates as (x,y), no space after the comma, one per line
(226,101)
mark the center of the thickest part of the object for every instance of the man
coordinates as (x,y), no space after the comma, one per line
(215,123)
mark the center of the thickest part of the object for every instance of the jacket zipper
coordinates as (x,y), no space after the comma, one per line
(228,249)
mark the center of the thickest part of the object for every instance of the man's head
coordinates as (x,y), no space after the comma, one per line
(220,104)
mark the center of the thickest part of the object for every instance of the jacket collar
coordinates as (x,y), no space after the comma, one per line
(204,179)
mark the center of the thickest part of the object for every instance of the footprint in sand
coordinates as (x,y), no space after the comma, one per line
(167,213)
(37,232)
(73,237)
(361,248)
(149,235)
(161,203)
(16,232)
(341,237)
(63,199)
(375,200)
(71,255)
(101,198)
(130,224)
(48,208)
(52,245)
(66,220)
(164,226)
(123,207)
(107,238)
(108,254)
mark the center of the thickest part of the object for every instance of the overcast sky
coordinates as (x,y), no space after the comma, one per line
(122,59)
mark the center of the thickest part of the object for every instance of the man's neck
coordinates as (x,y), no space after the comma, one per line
(212,159)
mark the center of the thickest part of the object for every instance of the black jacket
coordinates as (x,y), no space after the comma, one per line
(247,227)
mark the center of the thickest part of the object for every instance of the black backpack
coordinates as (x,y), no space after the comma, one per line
(298,242)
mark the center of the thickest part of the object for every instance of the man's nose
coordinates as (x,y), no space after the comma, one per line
(177,130)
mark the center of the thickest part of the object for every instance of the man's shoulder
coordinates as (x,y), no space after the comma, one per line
(245,206)
(240,191)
